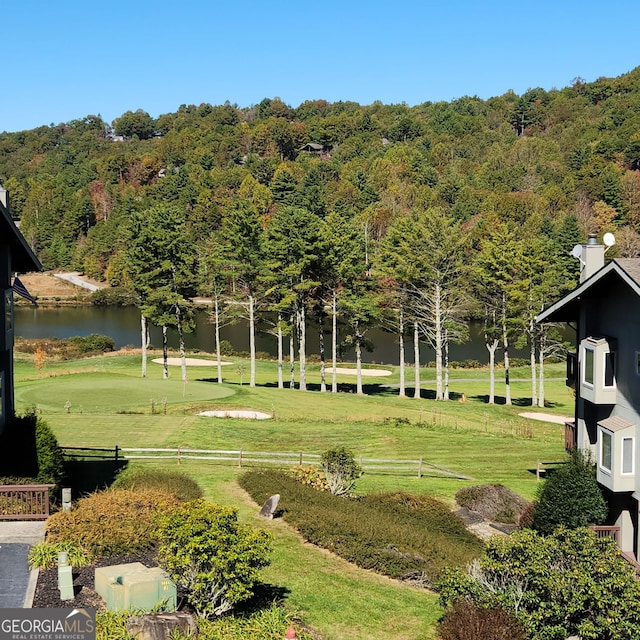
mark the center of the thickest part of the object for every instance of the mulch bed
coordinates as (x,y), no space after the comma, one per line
(47,594)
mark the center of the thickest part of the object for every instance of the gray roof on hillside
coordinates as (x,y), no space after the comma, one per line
(567,308)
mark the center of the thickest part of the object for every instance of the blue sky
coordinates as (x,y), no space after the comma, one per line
(65,60)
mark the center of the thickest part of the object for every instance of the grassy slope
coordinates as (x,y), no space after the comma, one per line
(489,443)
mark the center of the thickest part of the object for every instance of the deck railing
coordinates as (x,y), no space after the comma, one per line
(24,501)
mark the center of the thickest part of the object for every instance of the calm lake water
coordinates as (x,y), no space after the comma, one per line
(123,325)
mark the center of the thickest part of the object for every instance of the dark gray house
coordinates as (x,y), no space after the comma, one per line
(604,372)
(15,256)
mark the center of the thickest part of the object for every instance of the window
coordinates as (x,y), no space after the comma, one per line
(589,357)
(605,450)
(627,455)
(610,369)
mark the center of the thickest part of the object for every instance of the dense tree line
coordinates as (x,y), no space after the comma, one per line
(414,218)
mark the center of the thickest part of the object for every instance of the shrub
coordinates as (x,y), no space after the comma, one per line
(49,454)
(176,483)
(44,555)
(111,522)
(113,297)
(341,470)
(570,496)
(466,621)
(493,502)
(568,583)
(93,343)
(206,551)
(309,476)
(400,535)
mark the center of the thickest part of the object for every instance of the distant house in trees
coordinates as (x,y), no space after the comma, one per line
(15,256)
(321,150)
(604,371)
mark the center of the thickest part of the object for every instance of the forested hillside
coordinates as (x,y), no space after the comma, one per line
(416,217)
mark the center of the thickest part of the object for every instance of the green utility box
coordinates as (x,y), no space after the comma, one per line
(134,586)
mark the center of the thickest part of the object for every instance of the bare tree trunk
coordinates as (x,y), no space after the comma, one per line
(183,356)
(358,348)
(541,351)
(438,341)
(302,346)
(532,364)
(165,353)
(491,347)
(402,393)
(252,342)
(416,359)
(292,360)
(505,343)
(280,356)
(144,331)
(334,342)
(445,395)
(323,383)
(217,333)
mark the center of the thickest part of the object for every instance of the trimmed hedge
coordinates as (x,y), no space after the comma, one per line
(404,536)
(176,483)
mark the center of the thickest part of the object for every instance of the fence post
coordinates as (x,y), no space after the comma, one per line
(420,468)
(116,453)
(301,458)
(240,458)
(538,470)
(180,454)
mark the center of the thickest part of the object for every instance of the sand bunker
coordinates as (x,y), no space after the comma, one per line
(365,372)
(191,362)
(252,415)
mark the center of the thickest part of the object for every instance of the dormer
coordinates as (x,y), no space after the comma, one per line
(598,370)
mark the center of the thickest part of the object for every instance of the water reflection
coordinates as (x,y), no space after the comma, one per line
(123,325)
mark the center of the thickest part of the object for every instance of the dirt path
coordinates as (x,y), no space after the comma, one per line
(544,417)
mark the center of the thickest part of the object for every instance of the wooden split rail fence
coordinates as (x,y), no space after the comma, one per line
(242,458)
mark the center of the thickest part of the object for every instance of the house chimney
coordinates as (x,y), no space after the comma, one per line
(591,257)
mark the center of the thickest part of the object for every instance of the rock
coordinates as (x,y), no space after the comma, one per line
(161,626)
(270,506)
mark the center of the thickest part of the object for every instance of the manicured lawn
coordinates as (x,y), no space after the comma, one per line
(110,404)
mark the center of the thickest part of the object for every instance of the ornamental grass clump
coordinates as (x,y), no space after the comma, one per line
(209,553)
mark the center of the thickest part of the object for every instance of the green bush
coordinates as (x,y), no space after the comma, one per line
(111,522)
(341,470)
(49,454)
(113,297)
(570,497)
(207,552)
(568,583)
(93,343)
(400,535)
(176,483)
